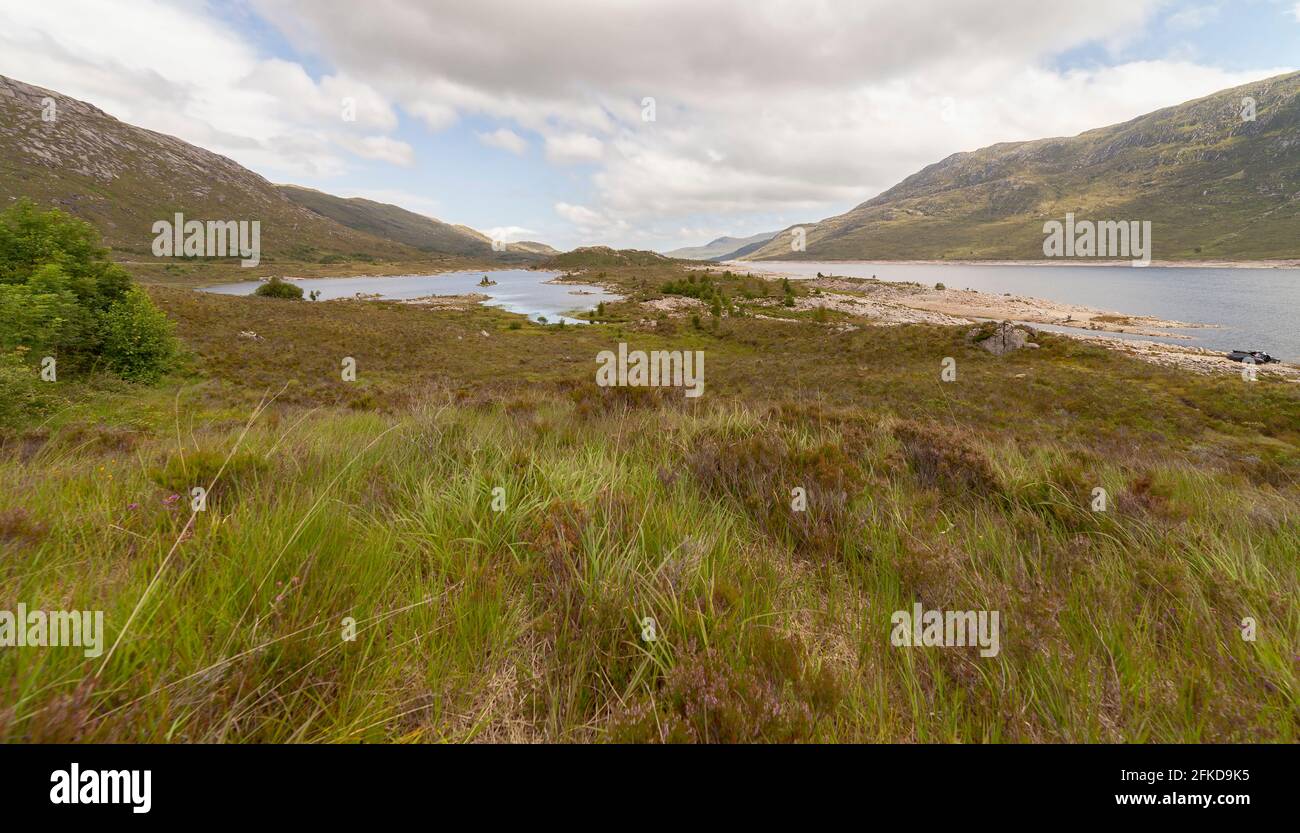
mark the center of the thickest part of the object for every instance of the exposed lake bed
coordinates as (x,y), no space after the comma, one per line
(1189,310)
(908,293)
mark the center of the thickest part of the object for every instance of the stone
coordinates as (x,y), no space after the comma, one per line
(1006,338)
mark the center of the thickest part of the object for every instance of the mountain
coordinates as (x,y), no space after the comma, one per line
(123,178)
(394,223)
(1213,184)
(724,248)
(594,257)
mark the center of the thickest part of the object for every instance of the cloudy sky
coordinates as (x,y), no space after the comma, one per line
(642,123)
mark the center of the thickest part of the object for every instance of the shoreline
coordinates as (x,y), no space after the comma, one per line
(1052,262)
(889,302)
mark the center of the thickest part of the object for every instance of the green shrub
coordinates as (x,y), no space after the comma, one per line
(61,296)
(31,238)
(139,344)
(21,396)
(691,288)
(43,314)
(276,288)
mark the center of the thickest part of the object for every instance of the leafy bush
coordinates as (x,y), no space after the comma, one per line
(690,288)
(138,340)
(43,314)
(21,396)
(61,296)
(276,288)
(31,238)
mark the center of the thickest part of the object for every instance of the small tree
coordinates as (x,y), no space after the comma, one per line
(31,238)
(138,340)
(61,296)
(276,288)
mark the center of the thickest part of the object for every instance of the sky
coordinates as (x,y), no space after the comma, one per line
(648,124)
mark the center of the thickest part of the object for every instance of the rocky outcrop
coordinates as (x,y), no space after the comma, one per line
(1002,338)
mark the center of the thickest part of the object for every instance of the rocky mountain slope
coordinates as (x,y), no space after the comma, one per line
(122,178)
(1214,183)
(394,223)
(68,154)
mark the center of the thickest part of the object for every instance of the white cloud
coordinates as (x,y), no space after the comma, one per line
(593,227)
(1295,12)
(291,92)
(769,110)
(505,139)
(579,215)
(435,115)
(382,148)
(509,233)
(779,108)
(1194,17)
(179,69)
(572,148)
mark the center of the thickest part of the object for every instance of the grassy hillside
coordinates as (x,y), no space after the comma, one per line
(123,178)
(373,501)
(416,230)
(1212,184)
(589,257)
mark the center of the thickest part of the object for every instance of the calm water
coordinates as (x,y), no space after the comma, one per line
(517,290)
(1256,309)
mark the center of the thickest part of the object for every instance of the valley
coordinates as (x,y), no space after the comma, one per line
(397,481)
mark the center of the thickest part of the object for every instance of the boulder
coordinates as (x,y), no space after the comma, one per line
(1004,338)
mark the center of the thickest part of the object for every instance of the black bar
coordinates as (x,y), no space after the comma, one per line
(531,784)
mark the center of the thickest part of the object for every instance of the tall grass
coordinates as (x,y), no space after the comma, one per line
(500,536)
(527,623)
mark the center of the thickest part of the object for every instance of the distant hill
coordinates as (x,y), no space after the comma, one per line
(123,178)
(394,223)
(590,257)
(724,248)
(1214,185)
(532,247)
